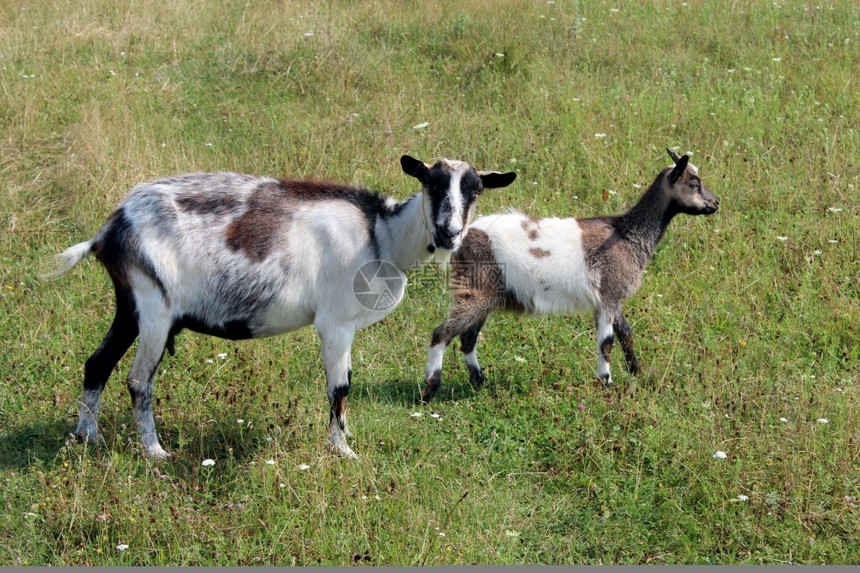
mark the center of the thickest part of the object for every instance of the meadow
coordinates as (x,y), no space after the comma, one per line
(745,325)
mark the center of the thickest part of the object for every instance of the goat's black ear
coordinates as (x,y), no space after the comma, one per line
(680,166)
(494,179)
(675,157)
(414,167)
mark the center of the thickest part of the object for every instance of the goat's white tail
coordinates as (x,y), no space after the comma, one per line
(67,259)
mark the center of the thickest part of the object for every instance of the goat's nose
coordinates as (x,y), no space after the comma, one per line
(449,232)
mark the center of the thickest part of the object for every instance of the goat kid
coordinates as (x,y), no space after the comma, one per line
(239,256)
(562,266)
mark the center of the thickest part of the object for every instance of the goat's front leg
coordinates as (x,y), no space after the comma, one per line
(336,360)
(346,431)
(625,335)
(605,337)
(464,320)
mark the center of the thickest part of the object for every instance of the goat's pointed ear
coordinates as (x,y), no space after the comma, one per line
(675,157)
(680,166)
(494,179)
(414,167)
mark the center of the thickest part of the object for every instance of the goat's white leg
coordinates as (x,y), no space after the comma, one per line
(336,343)
(605,338)
(99,366)
(153,337)
(433,374)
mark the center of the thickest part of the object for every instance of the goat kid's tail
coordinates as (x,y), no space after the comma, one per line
(64,262)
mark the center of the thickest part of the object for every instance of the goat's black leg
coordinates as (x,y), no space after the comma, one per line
(625,336)
(468,342)
(99,366)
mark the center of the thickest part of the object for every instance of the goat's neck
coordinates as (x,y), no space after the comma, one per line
(404,236)
(644,224)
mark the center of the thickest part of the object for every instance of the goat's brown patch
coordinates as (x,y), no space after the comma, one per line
(539,253)
(254,231)
(271,204)
(531,225)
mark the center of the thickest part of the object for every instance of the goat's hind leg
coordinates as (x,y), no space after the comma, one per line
(99,366)
(153,338)
(625,337)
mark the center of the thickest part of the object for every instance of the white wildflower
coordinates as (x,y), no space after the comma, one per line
(743,497)
(823,421)
(304,467)
(208,462)
(783,420)
(720,455)
(270,462)
(121,547)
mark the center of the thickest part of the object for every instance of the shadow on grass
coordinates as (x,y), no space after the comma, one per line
(22,445)
(408,392)
(41,443)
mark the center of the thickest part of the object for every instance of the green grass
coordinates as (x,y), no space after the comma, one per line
(736,328)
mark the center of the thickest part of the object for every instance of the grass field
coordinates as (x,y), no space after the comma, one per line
(746,323)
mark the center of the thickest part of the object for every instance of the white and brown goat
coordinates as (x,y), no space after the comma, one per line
(239,256)
(519,263)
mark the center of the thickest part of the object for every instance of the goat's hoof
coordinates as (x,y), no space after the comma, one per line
(157,453)
(342,449)
(428,394)
(85,437)
(337,444)
(476,378)
(431,384)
